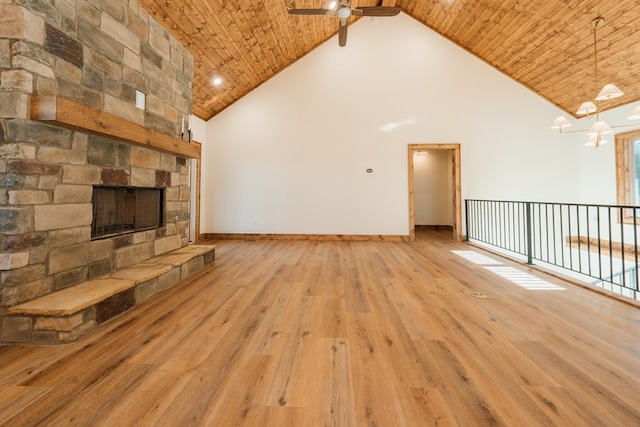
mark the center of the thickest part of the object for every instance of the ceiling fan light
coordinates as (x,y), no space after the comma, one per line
(586,108)
(608,92)
(560,122)
(600,128)
(331,5)
(344,13)
(635,114)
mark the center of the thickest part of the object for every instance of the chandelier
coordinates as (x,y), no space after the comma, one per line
(600,128)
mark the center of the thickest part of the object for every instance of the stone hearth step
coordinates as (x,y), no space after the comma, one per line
(69,313)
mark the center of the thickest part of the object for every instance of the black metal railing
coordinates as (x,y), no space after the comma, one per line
(594,241)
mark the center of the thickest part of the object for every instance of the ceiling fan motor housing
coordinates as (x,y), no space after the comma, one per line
(344,13)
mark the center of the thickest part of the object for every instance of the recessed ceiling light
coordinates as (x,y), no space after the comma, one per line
(332,5)
(217,81)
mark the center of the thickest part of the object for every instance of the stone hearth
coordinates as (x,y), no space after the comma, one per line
(66,315)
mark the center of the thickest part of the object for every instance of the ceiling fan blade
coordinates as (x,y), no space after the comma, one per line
(309,11)
(342,33)
(376,11)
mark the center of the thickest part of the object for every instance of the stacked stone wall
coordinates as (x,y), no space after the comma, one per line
(97,53)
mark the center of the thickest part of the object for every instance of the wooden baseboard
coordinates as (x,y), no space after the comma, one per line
(318,237)
(433,227)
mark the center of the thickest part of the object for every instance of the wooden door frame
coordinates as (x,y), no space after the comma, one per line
(198,179)
(457,197)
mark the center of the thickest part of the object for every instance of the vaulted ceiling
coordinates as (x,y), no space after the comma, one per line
(547,45)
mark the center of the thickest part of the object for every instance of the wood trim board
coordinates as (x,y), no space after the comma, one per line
(318,237)
(70,114)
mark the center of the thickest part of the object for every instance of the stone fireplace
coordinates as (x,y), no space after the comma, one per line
(96,56)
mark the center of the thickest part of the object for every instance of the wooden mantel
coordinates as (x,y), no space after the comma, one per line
(66,113)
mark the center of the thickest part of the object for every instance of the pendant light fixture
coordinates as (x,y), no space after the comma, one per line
(610,91)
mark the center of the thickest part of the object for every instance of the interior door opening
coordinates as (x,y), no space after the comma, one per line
(434,187)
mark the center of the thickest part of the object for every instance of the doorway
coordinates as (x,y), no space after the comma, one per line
(456,203)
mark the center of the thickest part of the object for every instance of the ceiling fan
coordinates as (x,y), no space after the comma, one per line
(343,10)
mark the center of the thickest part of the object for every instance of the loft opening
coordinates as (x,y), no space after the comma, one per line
(122,210)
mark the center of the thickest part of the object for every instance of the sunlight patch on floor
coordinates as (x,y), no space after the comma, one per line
(525,280)
(477,258)
(512,274)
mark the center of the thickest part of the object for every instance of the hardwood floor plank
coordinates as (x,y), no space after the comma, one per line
(354,292)
(14,399)
(339,406)
(210,303)
(467,402)
(427,406)
(241,401)
(332,320)
(147,403)
(376,398)
(563,408)
(106,392)
(288,352)
(20,362)
(178,366)
(592,396)
(188,407)
(283,416)
(315,333)
(269,334)
(394,343)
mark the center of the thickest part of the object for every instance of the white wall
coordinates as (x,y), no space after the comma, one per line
(433,187)
(291,156)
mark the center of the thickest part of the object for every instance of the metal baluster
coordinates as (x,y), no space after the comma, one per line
(599,246)
(562,242)
(610,249)
(635,252)
(528,207)
(624,279)
(466,218)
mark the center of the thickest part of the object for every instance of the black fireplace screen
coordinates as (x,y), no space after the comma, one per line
(119,210)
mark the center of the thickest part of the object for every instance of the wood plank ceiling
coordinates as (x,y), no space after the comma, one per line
(547,45)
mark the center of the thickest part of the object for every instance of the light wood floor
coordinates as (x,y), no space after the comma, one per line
(295,333)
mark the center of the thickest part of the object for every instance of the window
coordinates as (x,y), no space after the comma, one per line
(634,171)
(628,173)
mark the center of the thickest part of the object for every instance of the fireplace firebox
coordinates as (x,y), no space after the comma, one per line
(122,210)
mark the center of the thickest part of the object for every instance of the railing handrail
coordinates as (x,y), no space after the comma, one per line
(569,236)
(595,205)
